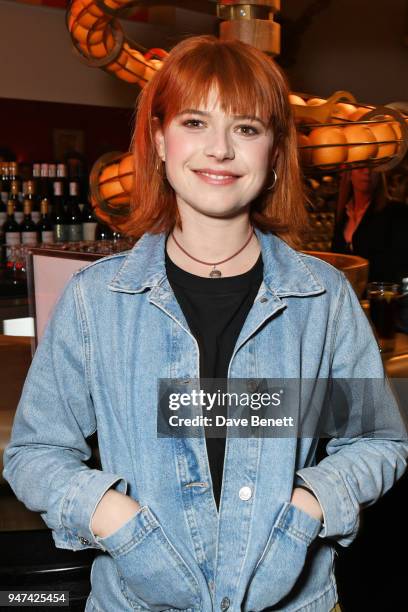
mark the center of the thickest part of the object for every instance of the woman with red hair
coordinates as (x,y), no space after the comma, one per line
(214,289)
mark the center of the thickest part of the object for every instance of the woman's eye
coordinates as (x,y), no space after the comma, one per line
(252,131)
(191,122)
(249,130)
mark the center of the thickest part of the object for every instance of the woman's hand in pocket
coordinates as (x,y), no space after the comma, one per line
(112,512)
(306,501)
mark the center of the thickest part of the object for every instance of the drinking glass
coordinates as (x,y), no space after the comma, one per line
(383,298)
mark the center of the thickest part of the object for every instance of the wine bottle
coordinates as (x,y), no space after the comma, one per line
(43,188)
(18,209)
(36,174)
(74,214)
(45,225)
(11,229)
(13,171)
(30,194)
(22,191)
(89,222)
(29,230)
(62,177)
(52,175)
(5,183)
(59,215)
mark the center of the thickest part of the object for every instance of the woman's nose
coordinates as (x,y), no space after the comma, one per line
(219,145)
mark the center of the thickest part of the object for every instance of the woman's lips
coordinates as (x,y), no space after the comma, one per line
(214,179)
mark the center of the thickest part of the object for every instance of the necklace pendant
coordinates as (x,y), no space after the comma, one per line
(215,273)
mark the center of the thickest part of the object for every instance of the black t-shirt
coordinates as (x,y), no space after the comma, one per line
(215,310)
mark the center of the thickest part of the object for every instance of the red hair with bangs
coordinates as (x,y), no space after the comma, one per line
(245,79)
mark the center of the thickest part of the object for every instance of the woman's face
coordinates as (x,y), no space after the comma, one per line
(216,164)
(363,180)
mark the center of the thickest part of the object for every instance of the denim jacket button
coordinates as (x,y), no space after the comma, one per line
(84,540)
(245,493)
(225,604)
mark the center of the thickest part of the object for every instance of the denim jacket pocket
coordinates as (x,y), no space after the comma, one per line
(283,558)
(153,575)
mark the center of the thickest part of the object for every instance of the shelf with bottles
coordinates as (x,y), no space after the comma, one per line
(43,219)
(62,226)
(42,178)
(64,188)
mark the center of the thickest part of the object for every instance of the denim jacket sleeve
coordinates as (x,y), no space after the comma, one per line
(44,460)
(357,470)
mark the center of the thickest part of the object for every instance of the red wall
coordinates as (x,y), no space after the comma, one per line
(27,128)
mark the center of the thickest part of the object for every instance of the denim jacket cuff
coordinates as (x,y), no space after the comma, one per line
(84,493)
(340,518)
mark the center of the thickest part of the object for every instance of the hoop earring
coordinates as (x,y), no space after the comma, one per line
(275,178)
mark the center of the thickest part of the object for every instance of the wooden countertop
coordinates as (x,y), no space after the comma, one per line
(401,346)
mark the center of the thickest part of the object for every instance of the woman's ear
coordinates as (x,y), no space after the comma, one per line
(275,157)
(275,152)
(158,138)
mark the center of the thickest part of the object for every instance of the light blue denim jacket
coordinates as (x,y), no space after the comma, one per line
(118,328)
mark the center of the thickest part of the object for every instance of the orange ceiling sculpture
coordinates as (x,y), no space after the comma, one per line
(99,39)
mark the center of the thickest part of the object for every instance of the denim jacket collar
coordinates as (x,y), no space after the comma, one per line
(286,272)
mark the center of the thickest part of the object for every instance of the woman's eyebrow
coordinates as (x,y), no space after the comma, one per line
(206,114)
